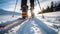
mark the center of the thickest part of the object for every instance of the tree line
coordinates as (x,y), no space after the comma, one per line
(53,8)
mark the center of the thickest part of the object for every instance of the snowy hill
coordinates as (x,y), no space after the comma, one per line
(36,25)
(52,17)
(4,12)
(52,20)
(48,25)
(6,16)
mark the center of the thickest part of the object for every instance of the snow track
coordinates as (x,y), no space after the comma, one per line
(44,27)
(35,26)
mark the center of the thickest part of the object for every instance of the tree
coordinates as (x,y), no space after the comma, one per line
(51,9)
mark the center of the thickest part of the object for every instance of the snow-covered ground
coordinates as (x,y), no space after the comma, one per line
(49,25)
(52,20)
(30,27)
(37,25)
(7,19)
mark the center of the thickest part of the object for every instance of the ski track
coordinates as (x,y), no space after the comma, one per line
(35,26)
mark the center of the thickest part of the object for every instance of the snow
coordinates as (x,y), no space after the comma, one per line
(37,25)
(5,18)
(38,30)
(30,27)
(52,20)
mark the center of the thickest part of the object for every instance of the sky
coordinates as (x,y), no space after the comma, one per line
(10,4)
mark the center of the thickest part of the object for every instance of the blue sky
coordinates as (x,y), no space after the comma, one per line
(9,4)
(6,3)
